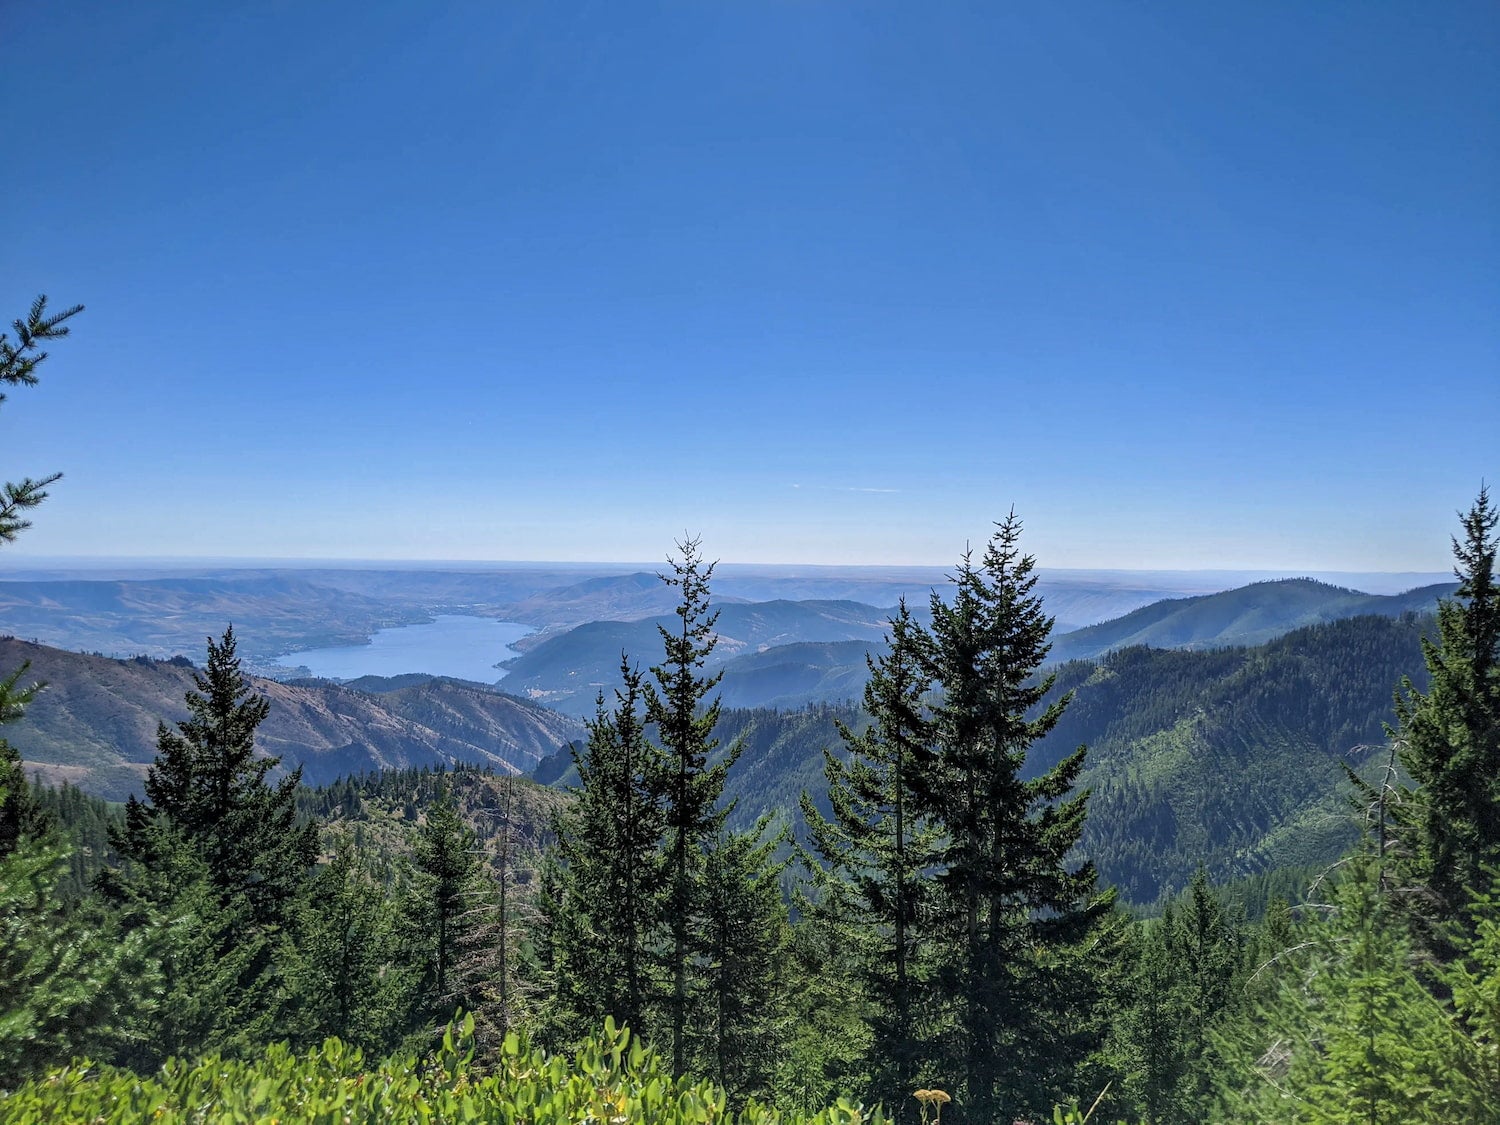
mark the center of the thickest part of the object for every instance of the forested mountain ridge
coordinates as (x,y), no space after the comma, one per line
(95,724)
(1229,759)
(1232,760)
(1247,615)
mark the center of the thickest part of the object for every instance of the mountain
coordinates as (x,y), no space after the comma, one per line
(95,724)
(1247,615)
(567,671)
(625,597)
(1233,758)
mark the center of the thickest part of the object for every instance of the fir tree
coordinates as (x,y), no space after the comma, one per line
(212,863)
(450,921)
(1449,738)
(742,1007)
(876,853)
(21,817)
(1011,909)
(19,360)
(689,789)
(209,786)
(609,842)
(343,980)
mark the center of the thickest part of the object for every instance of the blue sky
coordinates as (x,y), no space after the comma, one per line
(1189,285)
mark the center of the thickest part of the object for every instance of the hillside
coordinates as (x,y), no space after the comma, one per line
(567,671)
(1248,615)
(1230,758)
(95,724)
(796,675)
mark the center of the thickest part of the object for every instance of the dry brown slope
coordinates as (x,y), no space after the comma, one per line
(95,723)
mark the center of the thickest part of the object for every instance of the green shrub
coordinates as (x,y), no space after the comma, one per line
(610,1081)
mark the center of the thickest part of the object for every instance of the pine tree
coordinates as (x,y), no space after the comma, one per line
(1449,738)
(1351,1034)
(21,817)
(68,977)
(689,789)
(1011,910)
(875,853)
(213,861)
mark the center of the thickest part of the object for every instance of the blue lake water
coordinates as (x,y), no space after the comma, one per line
(452,645)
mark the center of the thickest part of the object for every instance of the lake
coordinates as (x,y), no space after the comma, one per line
(452,645)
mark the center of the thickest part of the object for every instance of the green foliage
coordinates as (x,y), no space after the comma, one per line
(742,939)
(68,978)
(689,788)
(21,815)
(19,361)
(1184,981)
(1349,1032)
(607,908)
(874,855)
(344,979)
(208,789)
(449,922)
(611,1079)
(1014,913)
(1449,739)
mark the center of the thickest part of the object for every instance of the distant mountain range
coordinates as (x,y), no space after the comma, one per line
(1248,615)
(95,723)
(161,611)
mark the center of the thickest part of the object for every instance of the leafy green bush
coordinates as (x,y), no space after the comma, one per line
(609,1081)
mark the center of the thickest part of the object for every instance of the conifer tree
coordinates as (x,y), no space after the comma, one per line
(876,852)
(609,842)
(450,921)
(21,817)
(19,360)
(743,940)
(1449,738)
(688,787)
(343,980)
(209,788)
(1011,908)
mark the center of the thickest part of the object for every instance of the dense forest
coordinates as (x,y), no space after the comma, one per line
(933,929)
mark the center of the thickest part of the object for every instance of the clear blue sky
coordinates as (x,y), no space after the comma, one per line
(1190,285)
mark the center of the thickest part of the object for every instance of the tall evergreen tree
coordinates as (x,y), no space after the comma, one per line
(212,864)
(209,788)
(21,816)
(1011,908)
(1449,737)
(678,704)
(876,852)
